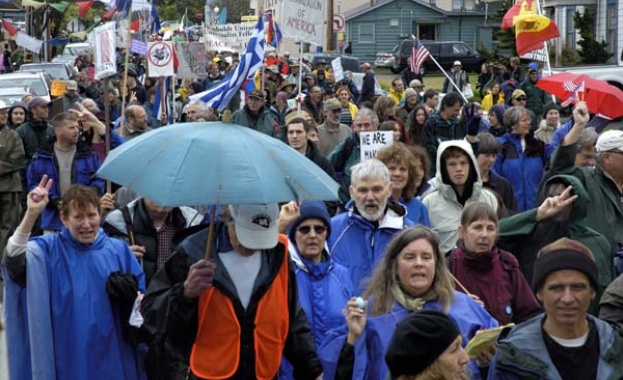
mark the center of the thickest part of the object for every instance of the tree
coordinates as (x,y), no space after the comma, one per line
(590,50)
(505,37)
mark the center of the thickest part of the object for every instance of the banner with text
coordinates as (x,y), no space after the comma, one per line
(191,58)
(303,20)
(228,37)
(372,142)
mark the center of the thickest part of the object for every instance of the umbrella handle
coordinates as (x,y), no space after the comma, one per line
(208,251)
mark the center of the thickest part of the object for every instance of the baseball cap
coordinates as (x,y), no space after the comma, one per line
(273,68)
(457,63)
(37,101)
(256,94)
(610,140)
(3,105)
(256,225)
(332,104)
(72,85)
(518,93)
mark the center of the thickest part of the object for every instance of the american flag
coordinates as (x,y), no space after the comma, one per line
(419,54)
(575,89)
(251,60)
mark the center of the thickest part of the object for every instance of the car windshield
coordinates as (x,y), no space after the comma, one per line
(36,84)
(55,71)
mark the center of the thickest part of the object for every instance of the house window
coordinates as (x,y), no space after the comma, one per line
(366,33)
(611,27)
(570,28)
(458,5)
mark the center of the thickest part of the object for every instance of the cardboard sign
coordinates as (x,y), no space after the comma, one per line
(338,72)
(160,59)
(372,142)
(303,20)
(138,47)
(105,55)
(58,88)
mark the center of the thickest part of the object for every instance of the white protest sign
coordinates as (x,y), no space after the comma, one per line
(105,56)
(160,59)
(228,37)
(303,19)
(372,142)
(338,72)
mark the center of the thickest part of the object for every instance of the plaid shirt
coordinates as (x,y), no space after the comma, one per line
(164,238)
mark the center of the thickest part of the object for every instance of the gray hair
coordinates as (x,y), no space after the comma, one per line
(204,110)
(367,112)
(90,104)
(370,169)
(588,139)
(513,115)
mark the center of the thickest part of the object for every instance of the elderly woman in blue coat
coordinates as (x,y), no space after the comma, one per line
(412,276)
(324,286)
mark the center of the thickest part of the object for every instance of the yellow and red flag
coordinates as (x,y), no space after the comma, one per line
(531,29)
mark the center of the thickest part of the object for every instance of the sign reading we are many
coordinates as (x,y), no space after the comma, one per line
(371,143)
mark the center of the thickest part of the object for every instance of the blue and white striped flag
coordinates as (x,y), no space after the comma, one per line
(219,96)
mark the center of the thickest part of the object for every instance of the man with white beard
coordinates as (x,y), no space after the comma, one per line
(360,235)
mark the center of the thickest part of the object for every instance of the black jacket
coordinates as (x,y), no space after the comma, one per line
(172,319)
(143,230)
(314,154)
(367,87)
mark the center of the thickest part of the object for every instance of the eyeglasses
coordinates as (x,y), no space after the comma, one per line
(521,99)
(319,230)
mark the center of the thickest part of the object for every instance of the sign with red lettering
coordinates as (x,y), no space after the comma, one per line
(303,20)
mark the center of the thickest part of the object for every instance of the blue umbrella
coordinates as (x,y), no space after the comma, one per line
(215,163)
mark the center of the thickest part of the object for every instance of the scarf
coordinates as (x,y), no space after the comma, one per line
(408,303)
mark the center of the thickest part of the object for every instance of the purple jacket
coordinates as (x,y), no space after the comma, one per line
(510,299)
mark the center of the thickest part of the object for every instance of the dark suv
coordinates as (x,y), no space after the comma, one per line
(445,53)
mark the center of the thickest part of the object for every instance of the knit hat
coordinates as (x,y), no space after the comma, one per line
(310,210)
(548,107)
(418,341)
(410,92)
(498,110)
(563,254)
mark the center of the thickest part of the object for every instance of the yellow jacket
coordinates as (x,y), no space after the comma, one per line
(487,101)
(397,96)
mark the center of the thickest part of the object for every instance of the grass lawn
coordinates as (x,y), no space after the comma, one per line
(434,81)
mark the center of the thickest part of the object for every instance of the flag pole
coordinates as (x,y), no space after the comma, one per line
(449,79)
(300,78)
(163,96)
(547,61)
(107,124)
(124,89)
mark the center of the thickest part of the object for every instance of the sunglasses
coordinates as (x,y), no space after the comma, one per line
(319,230)
(521,99)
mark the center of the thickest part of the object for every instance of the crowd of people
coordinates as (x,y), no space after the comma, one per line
(464,223)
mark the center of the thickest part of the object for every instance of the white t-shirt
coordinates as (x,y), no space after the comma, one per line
(243,271)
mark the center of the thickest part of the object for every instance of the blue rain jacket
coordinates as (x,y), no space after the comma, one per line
(324,289)
(62,324)
(371,346)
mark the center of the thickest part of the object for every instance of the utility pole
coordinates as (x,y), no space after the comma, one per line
(330,46)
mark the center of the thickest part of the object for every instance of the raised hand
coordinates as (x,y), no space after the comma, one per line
(580,113)
(38,198)
(287,215)
(355,319)
(553,206)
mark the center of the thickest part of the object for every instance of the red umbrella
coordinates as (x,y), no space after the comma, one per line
(600,96)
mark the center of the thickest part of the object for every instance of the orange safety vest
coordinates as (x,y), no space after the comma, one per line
(216,351)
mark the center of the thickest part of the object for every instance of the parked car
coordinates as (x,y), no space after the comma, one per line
(38,82)
(445,52)
(57,70)
(386,59)
(71,52)
(348,62)
(10,95)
